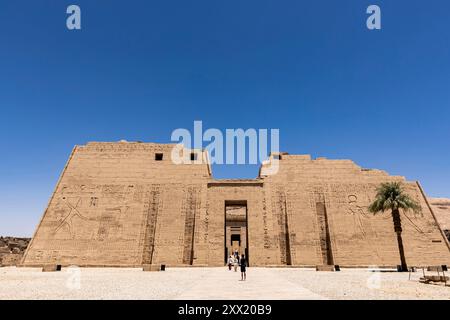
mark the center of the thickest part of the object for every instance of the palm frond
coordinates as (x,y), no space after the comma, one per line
(391,196)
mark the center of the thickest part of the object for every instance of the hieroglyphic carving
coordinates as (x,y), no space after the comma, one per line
(206,224)
(111,222)
(151,208)
(190,207)
(265,226)
(355,207)
(104,221)
(358,212)
(291,236)
(118,187)
(318,193)
(94,202)
(66,221)
(324,233)
(279,208)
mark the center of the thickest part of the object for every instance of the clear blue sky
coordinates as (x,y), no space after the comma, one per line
(139,69)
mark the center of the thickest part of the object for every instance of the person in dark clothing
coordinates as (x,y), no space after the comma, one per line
(236,255)
(243,264)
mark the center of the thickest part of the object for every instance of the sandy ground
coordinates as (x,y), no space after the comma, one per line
(213,283)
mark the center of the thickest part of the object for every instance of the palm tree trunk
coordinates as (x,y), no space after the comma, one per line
(398,231)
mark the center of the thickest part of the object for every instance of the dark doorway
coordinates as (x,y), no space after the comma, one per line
(236,229)
(236,238)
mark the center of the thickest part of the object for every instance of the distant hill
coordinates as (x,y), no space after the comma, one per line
(12,250)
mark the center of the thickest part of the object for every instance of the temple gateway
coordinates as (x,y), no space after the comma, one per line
(127,204)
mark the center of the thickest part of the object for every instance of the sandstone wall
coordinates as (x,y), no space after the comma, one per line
(262,229)
(358,238)
(441,208)
(118,204)
(114,203)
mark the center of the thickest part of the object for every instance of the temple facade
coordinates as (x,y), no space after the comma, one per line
(128,204)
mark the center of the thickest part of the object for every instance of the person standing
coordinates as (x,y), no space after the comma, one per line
(236,255)
(236,263)
(230,262)
(243,268)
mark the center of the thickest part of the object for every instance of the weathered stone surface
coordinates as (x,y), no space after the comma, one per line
(151,267)
(435,268)
(325,268)
(51,268)
(441,208)
(12,250)
(116,204)
(434,279)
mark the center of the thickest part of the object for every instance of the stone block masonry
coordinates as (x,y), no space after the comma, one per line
(127,204)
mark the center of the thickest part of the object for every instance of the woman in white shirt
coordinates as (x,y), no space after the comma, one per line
(230,262)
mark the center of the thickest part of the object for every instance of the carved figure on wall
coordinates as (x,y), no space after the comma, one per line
(110,222)
(358,212)
(110,218)
(66,221)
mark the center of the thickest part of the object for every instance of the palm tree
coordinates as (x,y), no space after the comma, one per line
(391,196)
